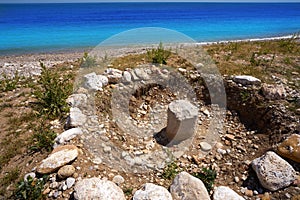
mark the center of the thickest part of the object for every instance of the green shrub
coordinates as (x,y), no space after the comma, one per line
(207,176)
(52,93)
(159,55)
(9,83)
(43,138)
(88,61)
(170,171)
(31,189)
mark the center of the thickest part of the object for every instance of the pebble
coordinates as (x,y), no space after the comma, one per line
(70,182)
(118,179)
(236,179)
(205,146)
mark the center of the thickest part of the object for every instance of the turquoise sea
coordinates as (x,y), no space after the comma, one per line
(53,27)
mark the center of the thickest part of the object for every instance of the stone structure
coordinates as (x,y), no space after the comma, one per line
(182,118)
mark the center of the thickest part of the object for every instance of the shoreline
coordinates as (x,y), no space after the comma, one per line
(29,64)
(81,50)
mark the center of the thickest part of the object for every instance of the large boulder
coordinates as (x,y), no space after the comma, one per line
(150,191)
(225,193)
(273,172)
(59,157)
(97,189)
(186,186)
(290,148)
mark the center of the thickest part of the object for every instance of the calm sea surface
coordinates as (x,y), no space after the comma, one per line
(52,27)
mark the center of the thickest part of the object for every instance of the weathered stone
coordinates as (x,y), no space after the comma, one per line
(77,100)
(126,77)
(97,189)
(66,171)
(182,119)
(141,73)
(94,81)
(290,148)
(205,146)
(113,75)
(67,135)
(273,92)
(186,186)
(59,157)
(118,179)
(225,193)
(70,182)
(150,191)
(273,172)
(76,118)
(246,80)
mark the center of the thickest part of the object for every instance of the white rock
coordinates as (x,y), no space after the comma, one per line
(273,172)
(31,174)
(141,73)
(76,118)
(225,193)
(113,75)
(182,119)
(273,92)
(126,77)
(59,157)
(118,179)
(150,191)
(70,182)
(186,186)
(94,81)
(97,189)
(77,100)
(67,135)
(205,146)
(246,80)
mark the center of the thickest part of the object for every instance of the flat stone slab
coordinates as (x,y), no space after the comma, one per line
(59,157)
(246,80)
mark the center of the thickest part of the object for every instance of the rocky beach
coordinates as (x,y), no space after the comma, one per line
(252,151)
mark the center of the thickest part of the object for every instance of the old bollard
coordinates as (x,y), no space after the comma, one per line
(182,118)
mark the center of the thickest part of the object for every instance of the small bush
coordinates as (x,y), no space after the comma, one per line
(43,138)
(207,176)
(31,189)
(9,83)
(52,93)
(87,61)
(170,171)
(159,55)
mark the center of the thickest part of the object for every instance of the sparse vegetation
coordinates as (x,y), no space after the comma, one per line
(31,189)
(43,138)
(88,61)
(9,83)
(207,176)
(52,92)
(159,55)
(170,171)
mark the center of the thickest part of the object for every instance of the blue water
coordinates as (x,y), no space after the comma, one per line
(48,27)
